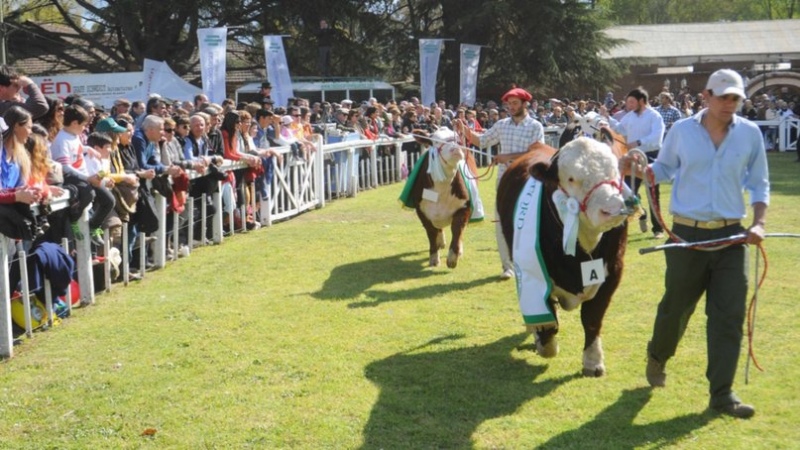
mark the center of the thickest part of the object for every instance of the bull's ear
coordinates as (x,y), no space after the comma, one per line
(545,170)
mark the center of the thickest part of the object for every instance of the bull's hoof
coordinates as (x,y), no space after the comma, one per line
(597,372)
(452,259)
(434,261)
(547,349)
(593,365)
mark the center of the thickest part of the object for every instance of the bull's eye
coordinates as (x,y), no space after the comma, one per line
(571,179)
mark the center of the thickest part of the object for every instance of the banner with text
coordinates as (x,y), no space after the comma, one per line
(429,51)
(470,60)
(213,44)
(278,70)
(101,88)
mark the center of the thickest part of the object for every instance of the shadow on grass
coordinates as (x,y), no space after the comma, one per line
(424,292)
(614,427)
(437,399)
(351,281)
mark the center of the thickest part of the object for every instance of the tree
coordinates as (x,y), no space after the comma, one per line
(116,35)
(547,45)
(637,12)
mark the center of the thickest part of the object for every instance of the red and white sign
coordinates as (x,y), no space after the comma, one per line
(102,88)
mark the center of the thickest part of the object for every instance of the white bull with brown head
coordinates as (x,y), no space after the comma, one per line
(440,195)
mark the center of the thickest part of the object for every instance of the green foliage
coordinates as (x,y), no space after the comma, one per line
(634,12)
(549,46)
(329,331)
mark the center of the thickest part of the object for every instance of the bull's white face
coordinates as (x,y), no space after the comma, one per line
(591,123)
(449,150)
(588,167)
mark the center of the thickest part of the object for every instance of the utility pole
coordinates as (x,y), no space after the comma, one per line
(2,34)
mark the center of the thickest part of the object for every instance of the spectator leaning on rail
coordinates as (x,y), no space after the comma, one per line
(43,175)
(54,119)
(16,194)
(261,177)
(235,151)
(11,83)
(68,150)
(146,143)
(213,133)
(515,134)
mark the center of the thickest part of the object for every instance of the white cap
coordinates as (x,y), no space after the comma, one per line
(287,120)
(724,82)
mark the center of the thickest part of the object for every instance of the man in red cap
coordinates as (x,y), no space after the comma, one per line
(514,134)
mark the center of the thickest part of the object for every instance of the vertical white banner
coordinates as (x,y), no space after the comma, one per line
(278,70)
(213,43)
(429,51)
(470,59)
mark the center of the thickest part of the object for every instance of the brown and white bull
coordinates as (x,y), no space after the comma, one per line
(581,232)
(440,195)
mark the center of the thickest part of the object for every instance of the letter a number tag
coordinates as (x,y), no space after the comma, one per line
(593,272)
(430,195)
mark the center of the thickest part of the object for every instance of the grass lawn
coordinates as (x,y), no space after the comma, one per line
(328,331)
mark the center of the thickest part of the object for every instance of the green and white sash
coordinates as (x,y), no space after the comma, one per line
(533,282)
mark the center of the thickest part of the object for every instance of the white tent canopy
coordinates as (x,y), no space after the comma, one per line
(158,78)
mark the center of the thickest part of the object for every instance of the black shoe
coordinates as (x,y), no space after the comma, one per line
(738,410)
(655,372)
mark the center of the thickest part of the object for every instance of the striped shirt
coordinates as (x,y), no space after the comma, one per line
(513,137)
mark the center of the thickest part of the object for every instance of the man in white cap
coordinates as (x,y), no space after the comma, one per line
(710,158)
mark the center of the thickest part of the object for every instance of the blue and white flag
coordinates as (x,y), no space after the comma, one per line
(470,59)
(213,43)
(429,51)
(278,70)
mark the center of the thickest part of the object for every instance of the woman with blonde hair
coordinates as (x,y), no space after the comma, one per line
(15,170)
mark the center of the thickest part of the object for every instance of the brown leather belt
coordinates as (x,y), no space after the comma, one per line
(709,225)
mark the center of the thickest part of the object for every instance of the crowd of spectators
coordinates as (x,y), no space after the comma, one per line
(114,160)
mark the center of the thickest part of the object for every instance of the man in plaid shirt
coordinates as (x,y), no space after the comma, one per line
(514,134)
(669,113)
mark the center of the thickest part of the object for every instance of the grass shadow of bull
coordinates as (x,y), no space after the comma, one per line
(437,399)
(354,280)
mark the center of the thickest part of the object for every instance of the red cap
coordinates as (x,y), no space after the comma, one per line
(520,93)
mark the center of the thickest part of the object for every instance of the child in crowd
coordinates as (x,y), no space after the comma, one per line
(39,175)
(86,189)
